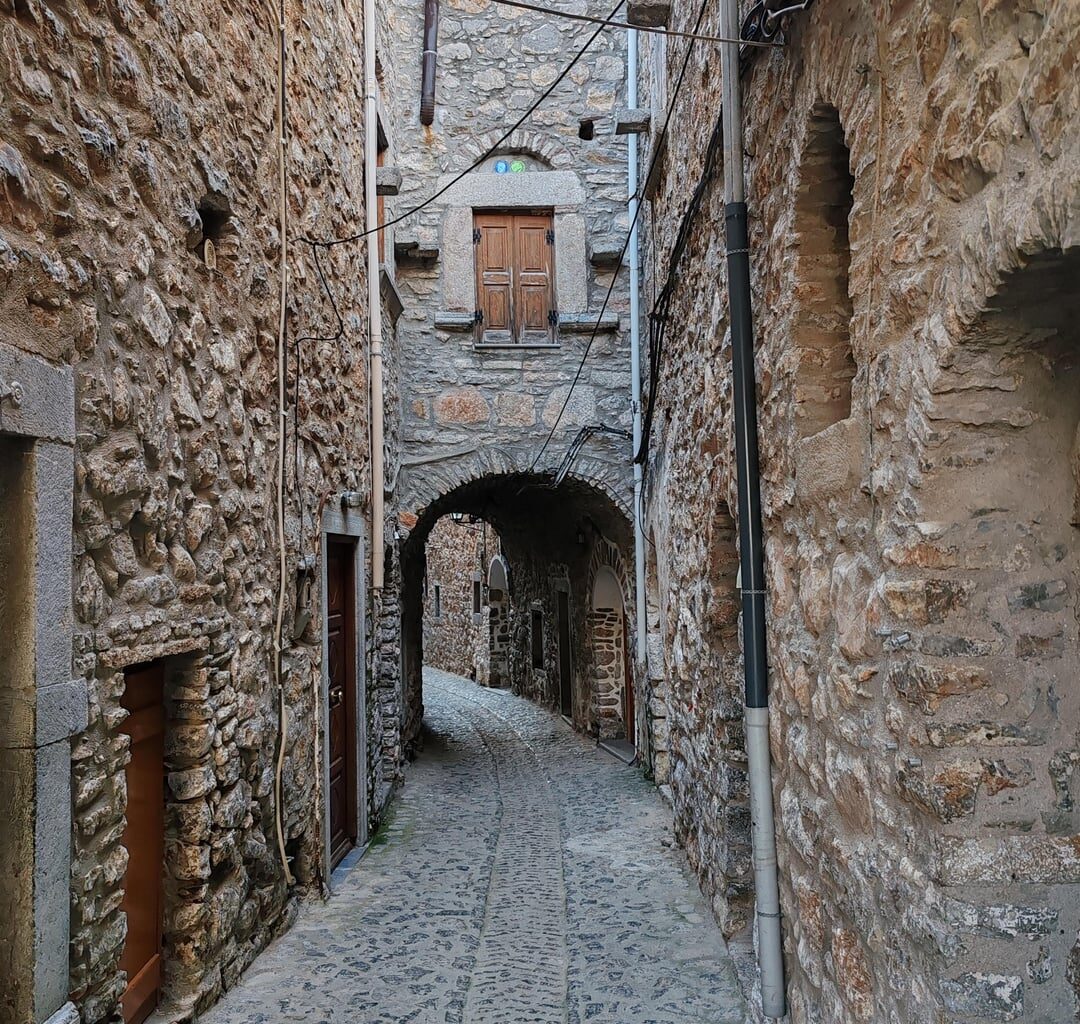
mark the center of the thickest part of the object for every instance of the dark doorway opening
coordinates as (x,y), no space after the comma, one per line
(341,699)
(566,689)
(144,839)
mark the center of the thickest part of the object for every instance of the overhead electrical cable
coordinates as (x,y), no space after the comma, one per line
(657,149)
(609,23)
(759,24)
(328,243)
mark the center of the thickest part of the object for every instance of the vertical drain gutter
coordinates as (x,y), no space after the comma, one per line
(751,554)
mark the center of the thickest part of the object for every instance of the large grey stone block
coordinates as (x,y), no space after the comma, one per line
(46,405)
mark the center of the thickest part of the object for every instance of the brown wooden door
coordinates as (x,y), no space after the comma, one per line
(144,838)
(566,687)
(514,280)
(341,670)
(628,685)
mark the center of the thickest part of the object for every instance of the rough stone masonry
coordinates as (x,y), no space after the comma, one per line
(131,136)
(914,193)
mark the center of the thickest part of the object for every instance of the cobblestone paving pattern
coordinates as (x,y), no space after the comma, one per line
(525,876)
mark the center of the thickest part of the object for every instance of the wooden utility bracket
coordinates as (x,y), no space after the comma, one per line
(387,181)
(633,121)
(648,13)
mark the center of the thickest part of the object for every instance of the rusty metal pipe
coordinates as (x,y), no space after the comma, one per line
(431,50)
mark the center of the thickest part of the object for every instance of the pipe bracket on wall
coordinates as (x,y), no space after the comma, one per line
(431,49)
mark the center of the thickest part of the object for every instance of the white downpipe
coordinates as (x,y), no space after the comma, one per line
(371,207)
(766,881)
(635,346)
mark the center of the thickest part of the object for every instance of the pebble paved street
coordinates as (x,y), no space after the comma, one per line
(523,877)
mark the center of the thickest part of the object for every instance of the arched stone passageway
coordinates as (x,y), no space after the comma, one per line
(550,541)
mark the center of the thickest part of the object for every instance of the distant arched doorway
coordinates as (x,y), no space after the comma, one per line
(498,584)
(551,541)
(613,684)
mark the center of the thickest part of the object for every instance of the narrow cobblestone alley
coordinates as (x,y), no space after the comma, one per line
(523,877)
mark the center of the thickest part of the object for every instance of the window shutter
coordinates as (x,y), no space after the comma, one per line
(534,297)
(495,279)
(515,294)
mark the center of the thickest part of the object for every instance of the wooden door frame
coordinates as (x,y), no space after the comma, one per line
(346,525)
(136,985)
(564,592)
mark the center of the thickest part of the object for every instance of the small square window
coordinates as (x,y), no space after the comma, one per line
(476,603)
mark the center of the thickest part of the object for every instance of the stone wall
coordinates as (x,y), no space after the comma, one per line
(457,640)
(914,193)
(130,135)
(459,399)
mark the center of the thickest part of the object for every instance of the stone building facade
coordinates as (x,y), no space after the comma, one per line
(142,261)
(479,401)
(457,626)
(914,190)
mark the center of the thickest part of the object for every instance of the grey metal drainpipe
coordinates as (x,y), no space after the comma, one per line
(431,49)
(755,665)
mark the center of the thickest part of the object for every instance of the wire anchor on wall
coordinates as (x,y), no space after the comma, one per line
(578,443)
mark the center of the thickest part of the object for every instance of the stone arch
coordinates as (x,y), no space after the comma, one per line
(522,140)
(498,574)
(431,485)
(606,591)
(551,536)
(988,579)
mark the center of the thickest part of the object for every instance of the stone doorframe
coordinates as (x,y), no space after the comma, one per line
(560,191)
(41,706)
(345,522)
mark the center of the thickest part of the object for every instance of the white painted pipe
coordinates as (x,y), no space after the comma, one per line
(635,347)
(766,881)
(371,207)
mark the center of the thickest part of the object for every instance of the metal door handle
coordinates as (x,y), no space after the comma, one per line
(337,696)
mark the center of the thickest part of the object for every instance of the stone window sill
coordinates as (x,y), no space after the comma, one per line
(569,323)
(480,347)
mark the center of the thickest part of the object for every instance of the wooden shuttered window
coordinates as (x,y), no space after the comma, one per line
(514,279)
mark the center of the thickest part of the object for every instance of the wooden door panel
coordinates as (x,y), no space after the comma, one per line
(533,293)
(535,305)
(144,839)
(341,714)
(495,278)
(514,280)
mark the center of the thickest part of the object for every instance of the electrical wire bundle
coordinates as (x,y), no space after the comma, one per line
(760,25)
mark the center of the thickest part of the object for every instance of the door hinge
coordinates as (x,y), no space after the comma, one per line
(478,316)
(553,317)
(475,236)
(550,236)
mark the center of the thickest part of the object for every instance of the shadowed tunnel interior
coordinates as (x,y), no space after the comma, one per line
(554,540)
